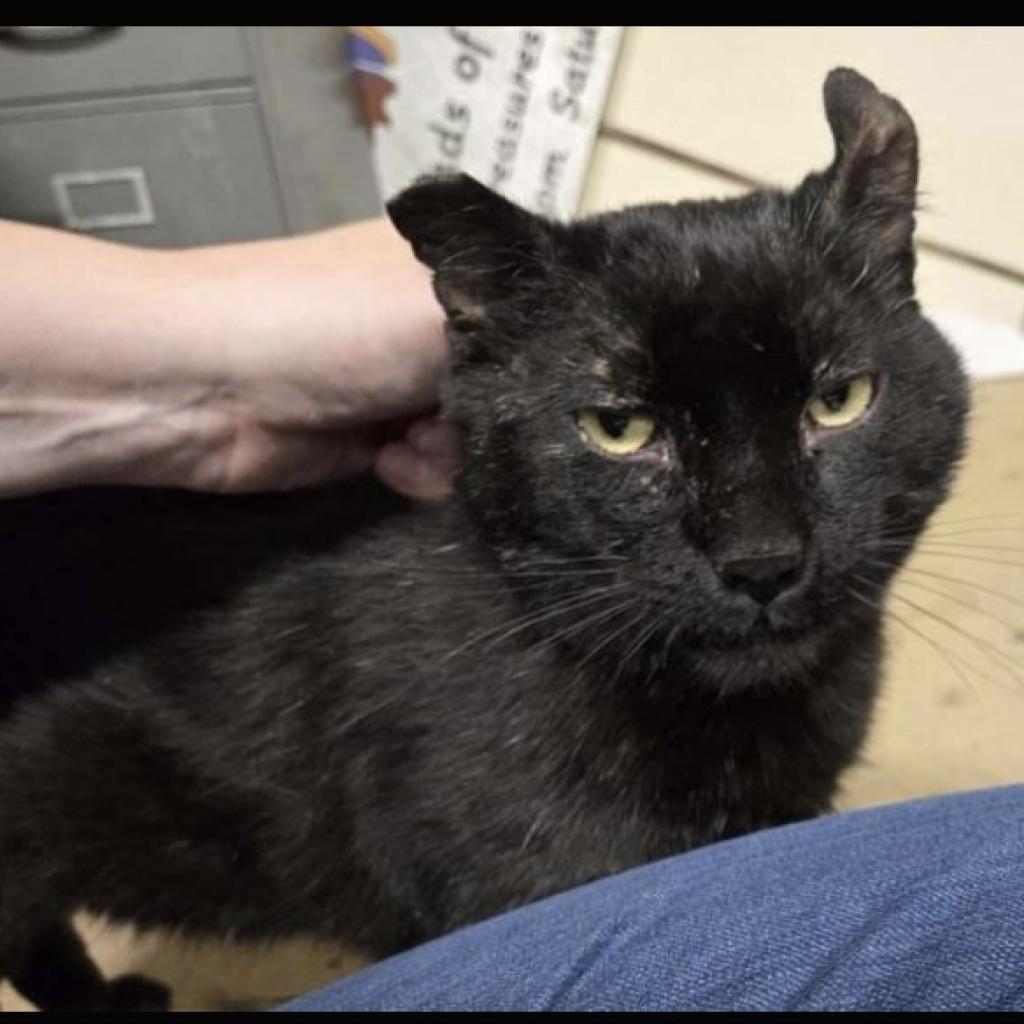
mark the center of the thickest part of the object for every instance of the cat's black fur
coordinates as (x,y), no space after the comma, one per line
(338,713)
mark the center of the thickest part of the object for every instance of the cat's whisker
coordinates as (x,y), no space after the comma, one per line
(892,543)
(662,651)
(1000,657)
(809,219)
(669,641)
(988,517)
(951,659)
(441,571)
(548,560)
(588,622)
(946,653)
(897,306)
(962,668)
(523,570)
(578,560)
(609,613)
(570,604)
(635,647)
(991,591)
(964,557)
(924,550)
(954,545)
(479,586)
(507,630)
(973,531)
(613,636)
(861,276)
(935,591)
(915,570)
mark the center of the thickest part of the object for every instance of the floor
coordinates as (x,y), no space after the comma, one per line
(952,712)
(951,717)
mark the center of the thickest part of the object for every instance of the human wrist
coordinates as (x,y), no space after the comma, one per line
(99,387)
(337,328)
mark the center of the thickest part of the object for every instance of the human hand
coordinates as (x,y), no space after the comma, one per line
(332,362)
(265,365)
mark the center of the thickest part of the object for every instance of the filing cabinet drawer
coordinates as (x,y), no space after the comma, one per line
(171,176)
(132,59)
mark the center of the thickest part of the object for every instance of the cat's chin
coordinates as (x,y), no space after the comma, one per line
(758,662)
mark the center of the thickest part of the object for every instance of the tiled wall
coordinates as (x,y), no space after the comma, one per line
(747,101)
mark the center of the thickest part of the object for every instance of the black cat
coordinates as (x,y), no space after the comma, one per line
(697,439)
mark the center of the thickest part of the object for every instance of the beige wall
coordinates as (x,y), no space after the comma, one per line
(749,100)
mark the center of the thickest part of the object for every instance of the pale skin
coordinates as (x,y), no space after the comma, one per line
(257,366)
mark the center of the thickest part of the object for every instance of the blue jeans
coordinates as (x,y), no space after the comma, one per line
(909,907)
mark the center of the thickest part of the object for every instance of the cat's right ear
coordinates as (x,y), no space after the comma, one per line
(482,247)
(873,178)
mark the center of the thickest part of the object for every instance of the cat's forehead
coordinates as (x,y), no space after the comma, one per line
(715,291)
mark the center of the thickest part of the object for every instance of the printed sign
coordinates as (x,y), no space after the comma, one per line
(516,107)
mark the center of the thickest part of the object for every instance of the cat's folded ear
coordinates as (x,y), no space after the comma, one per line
(874,174)
(482,247)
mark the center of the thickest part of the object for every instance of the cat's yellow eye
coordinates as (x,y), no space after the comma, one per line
(616,432)
(844,404)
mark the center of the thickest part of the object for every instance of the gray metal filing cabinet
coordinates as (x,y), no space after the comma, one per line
(181,135)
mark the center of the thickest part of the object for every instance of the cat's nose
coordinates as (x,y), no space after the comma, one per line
(763,575)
